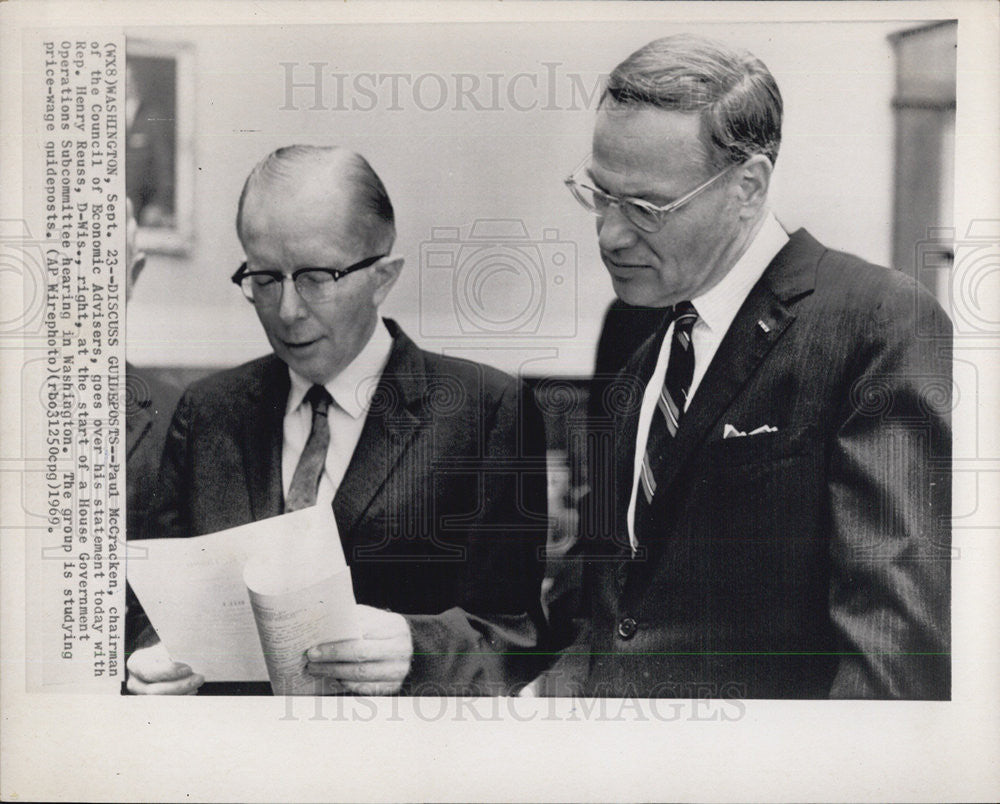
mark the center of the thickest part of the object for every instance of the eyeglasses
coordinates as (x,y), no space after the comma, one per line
(644,215)
(314,285)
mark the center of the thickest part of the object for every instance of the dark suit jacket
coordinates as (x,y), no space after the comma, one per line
(442,511)
(149,405)
(808,562)
(624,330)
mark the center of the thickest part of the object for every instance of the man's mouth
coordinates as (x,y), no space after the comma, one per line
(623,268)
(299,345)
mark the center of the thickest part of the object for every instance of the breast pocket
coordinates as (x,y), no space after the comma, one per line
(763,487)
(760,448)
(753,515)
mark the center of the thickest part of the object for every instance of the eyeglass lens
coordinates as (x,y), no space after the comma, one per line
(599,202)
(312,286)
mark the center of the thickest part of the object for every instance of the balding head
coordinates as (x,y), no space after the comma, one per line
(335,187)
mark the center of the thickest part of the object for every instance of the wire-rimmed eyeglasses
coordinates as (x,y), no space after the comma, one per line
(642,214)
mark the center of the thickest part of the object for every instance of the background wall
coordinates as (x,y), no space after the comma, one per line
(448,167)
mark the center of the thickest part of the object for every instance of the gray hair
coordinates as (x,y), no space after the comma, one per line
(373,209)
(735,93)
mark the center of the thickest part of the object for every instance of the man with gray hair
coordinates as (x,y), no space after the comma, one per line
(434,466)
(779,496)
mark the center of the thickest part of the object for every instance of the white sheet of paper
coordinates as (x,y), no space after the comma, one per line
(195,595)
(298,603)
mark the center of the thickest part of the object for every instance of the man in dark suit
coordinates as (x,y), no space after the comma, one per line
(779,497)
(434,466)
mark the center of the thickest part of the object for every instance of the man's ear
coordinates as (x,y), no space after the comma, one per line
(386,273)
(754,181)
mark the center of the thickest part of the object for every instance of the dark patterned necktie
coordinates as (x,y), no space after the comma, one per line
(305,481)
(669,405)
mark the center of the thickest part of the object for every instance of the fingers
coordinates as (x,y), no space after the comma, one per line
(188,685)
(153,672)
(373,688)
(383,674)
(362,650)
(376,664)
(153,669)
(348,672)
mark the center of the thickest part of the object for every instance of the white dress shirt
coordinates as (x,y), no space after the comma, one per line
(352,392)
(716,310)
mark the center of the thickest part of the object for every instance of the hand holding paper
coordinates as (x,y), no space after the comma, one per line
(151,671)
(245,604)
(376,664)
(299,600)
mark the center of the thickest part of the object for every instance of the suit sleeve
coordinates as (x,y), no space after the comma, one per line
(490,642)
(890,497)
(571,642)
(171,518)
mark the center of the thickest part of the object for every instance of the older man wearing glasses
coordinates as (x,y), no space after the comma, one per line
(779,496)
(434,466)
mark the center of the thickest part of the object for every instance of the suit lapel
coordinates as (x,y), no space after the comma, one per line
(758,326)
(741,351)
(137,426)
(139,422)
(632,379)
(389,428)
(262,431)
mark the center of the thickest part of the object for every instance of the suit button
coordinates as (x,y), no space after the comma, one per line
(627,628)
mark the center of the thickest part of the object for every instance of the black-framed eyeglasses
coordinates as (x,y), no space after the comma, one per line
(644,215)
(314,285)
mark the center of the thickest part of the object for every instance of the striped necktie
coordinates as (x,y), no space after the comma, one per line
(669,405)
(305,481)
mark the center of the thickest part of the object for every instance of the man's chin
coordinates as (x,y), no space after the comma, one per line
(635,292)
(308,372)
(303,363)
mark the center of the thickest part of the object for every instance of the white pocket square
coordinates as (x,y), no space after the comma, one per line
(731,432)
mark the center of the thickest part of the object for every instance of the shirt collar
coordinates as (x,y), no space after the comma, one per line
(717,307)
(353,387)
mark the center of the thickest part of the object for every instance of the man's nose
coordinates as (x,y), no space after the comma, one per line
(290,307)
(614,231)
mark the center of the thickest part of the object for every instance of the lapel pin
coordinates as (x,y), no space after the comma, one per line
(763,326)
